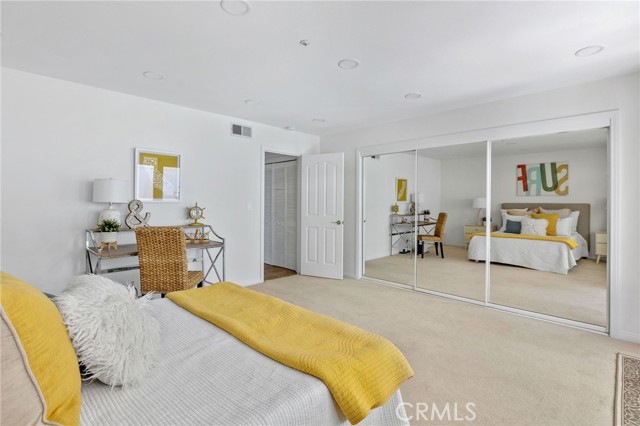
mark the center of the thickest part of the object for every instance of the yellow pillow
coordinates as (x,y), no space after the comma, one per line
(47,346)
(553,221)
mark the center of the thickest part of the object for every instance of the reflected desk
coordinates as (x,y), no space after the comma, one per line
(214,249)
(402,228)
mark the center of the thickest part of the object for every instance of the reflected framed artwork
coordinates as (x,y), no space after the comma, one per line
(401,189)
(157,175)
(542,179)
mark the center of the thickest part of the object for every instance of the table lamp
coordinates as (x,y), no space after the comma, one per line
(112,191)
(479,203)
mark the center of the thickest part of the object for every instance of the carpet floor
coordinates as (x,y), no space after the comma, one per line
(516,370)
(581,295)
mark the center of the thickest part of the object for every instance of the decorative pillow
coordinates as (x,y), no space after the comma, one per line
(531,226)
(574,223)
(48,355)
(114,333)
(506,217)
(553,220)
(562,213)
(513,227)
(563,227)
(518,212)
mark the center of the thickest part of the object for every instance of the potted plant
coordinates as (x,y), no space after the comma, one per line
(109,230)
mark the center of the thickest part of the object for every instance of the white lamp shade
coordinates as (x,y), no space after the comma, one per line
(480,203)
(418,197)
(110,191)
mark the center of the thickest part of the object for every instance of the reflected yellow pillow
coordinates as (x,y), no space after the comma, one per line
(553,221)
(47,346)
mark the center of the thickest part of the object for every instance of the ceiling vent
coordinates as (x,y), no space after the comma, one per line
(240,130)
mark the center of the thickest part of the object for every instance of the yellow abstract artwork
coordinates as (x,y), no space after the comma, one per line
(401,189)
(157,176)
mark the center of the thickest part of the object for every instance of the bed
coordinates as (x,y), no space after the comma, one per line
(218,378)
(549,256)
(200,373)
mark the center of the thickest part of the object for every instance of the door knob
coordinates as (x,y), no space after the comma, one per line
(339,222)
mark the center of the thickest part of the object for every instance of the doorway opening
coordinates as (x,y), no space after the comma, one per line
(280,215)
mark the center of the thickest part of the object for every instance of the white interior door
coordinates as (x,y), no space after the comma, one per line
(321,216)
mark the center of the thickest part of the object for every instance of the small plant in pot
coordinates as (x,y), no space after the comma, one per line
(109,230)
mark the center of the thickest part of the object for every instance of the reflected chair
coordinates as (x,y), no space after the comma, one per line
(162,251)
(437,236)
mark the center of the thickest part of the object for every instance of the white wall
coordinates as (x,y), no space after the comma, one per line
(59,136)
(621,93)
(380,174)
(463,179)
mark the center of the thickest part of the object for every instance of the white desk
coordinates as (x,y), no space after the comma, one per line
(213,247)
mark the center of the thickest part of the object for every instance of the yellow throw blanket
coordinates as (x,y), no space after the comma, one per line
(361,369)
(568,241)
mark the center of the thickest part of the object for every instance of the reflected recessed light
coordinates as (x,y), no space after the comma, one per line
(153,75)
(236,7)
(589,50)
(413,96)
(348,64)
(289,128)
(319,120)
(251,102)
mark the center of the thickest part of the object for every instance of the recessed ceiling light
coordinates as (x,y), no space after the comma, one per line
(589,50)
(412,96)
(290,128)
(319,120)
(236,7)
(153,75)
(251,102)
(348,64)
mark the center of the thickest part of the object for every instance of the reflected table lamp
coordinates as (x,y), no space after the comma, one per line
(112,191)
(479,203)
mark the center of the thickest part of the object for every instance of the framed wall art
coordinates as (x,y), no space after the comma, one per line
(401,189)
(542,179)
(157,175)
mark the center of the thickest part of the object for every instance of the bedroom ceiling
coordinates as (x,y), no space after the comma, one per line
(254,67)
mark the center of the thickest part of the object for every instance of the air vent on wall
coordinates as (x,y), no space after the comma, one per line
(239,130)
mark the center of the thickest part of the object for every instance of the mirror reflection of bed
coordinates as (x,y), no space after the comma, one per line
(552,278)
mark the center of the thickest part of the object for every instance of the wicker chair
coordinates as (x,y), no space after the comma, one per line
(162,252)
(438,234)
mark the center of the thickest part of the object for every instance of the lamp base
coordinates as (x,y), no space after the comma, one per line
(110,213)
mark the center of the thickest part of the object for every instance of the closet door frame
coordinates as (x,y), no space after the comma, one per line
(263,150)
(586,121)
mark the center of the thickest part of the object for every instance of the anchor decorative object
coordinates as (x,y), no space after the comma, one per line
(134,219)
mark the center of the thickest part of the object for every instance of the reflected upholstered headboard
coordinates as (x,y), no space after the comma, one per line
(584,220)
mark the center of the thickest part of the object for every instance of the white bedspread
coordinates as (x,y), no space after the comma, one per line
(207,377)
(550,256)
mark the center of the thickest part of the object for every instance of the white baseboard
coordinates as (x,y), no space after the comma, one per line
(627,335)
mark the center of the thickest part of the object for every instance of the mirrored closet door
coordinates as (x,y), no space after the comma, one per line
(389,217)
(549,200)
(451,187)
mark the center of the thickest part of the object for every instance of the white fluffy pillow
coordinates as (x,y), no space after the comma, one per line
(114,334)
(563,227)
(532,226)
